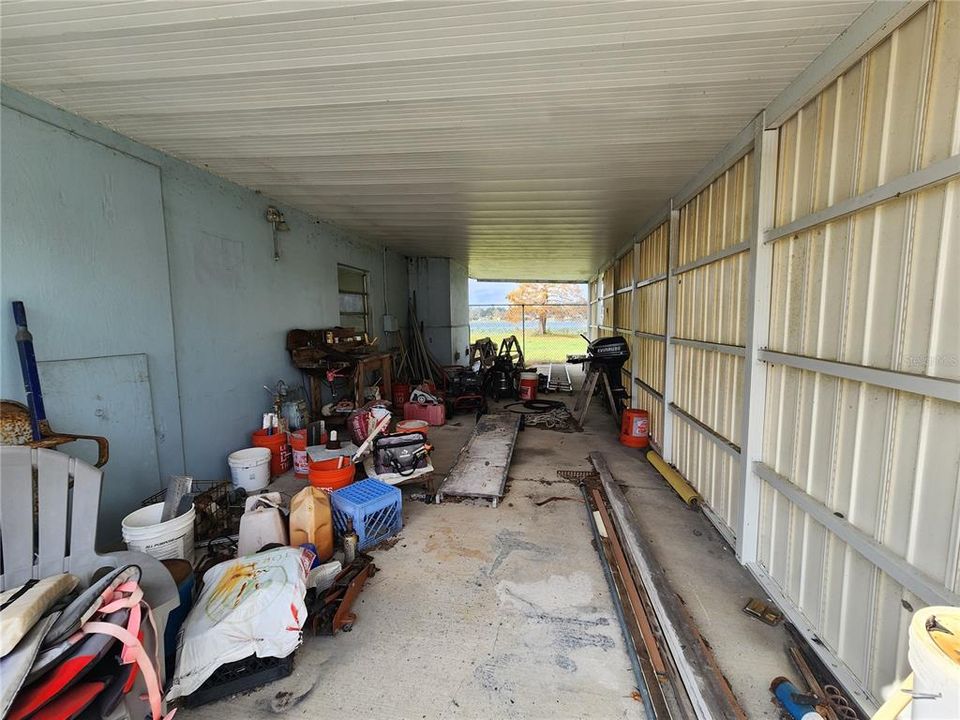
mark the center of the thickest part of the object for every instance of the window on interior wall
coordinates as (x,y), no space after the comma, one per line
(354,298)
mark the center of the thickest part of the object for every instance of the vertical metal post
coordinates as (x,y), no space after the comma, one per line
(523,329)
(670,331)
(760,270)
(634,322)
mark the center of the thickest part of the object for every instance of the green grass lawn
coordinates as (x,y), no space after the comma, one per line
(552,347)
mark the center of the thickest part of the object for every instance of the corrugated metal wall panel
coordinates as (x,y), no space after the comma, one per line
(623,311)
(650,261)
(623,271)
(888,461)
(650,352)
(609,282)
(857,609)
(720,215)
(607,316)
(651,253)
(711,301)
(654,407)
(709,469)
(652,307)
(594,306)
(711,307)
(709,386)
(876,288)
(892,113)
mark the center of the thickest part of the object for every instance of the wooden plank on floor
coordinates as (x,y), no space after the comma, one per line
(481,469)
(708,691)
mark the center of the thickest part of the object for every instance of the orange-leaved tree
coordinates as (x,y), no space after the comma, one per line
(546,301)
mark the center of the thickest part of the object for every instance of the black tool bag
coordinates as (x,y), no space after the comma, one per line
(401,454)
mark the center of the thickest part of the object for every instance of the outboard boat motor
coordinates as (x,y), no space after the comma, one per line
(607,355)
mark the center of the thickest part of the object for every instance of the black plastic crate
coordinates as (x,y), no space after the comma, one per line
(240,676)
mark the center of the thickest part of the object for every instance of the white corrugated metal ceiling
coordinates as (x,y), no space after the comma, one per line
(527,139)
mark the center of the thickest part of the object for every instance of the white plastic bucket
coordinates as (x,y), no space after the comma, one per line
(935,674)
(250,468)
(143,531)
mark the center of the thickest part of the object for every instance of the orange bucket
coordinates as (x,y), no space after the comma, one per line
(331,474)
(280,458)
(407,426)
(634,428)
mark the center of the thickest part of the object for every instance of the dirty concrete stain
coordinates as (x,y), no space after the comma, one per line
(561,613)
(510,541)
(447,544)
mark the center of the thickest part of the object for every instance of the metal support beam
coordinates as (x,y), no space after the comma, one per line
(924,587)
(714,257)
(651,336)
(640,383)
(708,432)
(759,273)
(669,357)
(651,280)
(711,346)
(634,319)
(940,388)
(939,172)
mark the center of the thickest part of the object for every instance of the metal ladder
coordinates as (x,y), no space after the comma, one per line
(556,384)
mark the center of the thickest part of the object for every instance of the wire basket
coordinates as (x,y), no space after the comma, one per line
(218,509)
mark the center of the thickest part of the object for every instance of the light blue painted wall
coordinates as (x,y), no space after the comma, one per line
(82,244)
(227,304)
(439,286)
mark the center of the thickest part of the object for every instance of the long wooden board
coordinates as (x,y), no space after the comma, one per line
(481,469)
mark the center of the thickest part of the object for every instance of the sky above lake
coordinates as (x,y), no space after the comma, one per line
(489,293)
(483,292)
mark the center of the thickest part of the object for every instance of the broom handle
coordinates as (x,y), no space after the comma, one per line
(28,367)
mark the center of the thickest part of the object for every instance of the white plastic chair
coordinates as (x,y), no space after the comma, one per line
(68,505)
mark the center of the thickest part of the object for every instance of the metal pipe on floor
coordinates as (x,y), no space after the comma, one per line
(618,607)
(709,692)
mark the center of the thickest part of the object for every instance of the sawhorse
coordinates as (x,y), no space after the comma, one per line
(594,374)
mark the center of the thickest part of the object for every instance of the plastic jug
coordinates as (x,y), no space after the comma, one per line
(261,524)
(311,521)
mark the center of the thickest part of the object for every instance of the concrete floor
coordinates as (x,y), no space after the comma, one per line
(480,612)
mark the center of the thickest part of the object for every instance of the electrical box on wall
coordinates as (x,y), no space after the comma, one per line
(390,323)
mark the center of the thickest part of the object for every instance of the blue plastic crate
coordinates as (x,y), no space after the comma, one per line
(375,508)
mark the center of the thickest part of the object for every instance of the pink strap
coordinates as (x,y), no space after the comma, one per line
(130,595)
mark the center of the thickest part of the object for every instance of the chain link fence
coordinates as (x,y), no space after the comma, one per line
(547,333)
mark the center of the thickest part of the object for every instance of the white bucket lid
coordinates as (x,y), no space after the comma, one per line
(249,457)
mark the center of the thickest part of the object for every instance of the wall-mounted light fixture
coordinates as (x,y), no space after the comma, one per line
(275,218)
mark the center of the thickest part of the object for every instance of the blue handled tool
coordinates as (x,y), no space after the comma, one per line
(28,367)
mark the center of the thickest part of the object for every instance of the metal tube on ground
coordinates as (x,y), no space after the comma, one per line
(618,607)
(633,596)
(708,690)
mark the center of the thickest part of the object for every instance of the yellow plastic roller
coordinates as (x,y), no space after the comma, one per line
(686,492)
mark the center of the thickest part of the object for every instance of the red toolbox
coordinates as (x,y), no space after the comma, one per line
(433,414)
